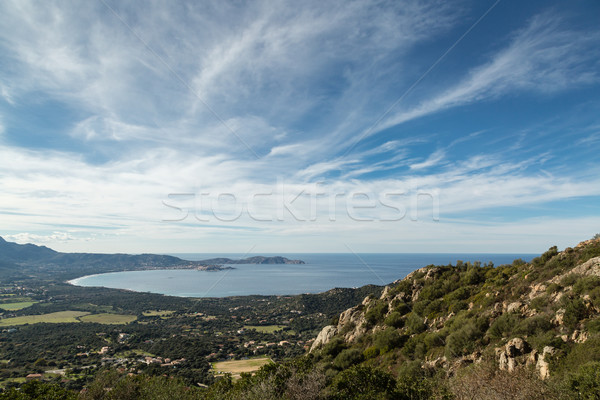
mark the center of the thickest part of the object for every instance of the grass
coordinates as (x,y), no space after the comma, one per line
(17,306)
(109,319)
(55,317)
(69,316)
(157,313)
(265,328)
(134,353)
(236,367)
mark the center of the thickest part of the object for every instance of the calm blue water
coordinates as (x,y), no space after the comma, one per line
(320,273)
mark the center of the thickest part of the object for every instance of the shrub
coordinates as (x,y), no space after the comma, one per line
(371,352)
(457,306)
(412,383)
(387,339)
(347,358)
(586,284)
(415,323)
(376,312)
(539,303)
(553,288)
(593,325)
(462,293)
(462,341)
(503,326)
(569,280)
(334,347)
(363,383)
(585,383)
(574,312)
(533,325)
(394,320)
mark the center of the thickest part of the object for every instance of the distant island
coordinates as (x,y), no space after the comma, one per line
(29,258)
(253,260)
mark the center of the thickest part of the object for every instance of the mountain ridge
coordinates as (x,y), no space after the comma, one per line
(47,260)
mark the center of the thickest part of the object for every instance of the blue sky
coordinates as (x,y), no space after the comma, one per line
(273,127)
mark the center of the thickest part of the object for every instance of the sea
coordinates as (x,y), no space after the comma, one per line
(321,272)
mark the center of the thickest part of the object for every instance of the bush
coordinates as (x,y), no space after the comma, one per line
(553,288)
(569,280)
(575,311)
(412,382)
(363,383)
(376,312)
(586,284)
(503,326)
(334,347)
(394,320)
(347,358)
(539,303)
(585,383)
(533,325)
(415,324)
(462,341)
(387,339)
(371,352)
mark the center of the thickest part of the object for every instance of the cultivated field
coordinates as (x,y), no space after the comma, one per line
(109,319)
(265,328)
(157,313)
(55,317)
(235,368)
(17,306)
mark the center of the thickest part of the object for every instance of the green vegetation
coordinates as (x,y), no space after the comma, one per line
(109,319)
(265,328)
(157,313)
(17,305)
(51,318)
(463,331)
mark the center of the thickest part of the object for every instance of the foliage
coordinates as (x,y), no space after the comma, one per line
(35,390)
(394,320)
(363,383)
(585,382)
(347,358)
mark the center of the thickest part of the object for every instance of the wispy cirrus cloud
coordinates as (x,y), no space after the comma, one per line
(544,57)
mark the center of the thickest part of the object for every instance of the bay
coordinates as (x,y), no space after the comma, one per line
(320,273)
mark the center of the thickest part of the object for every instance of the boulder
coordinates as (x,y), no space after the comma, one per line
(326,334)
(542,366)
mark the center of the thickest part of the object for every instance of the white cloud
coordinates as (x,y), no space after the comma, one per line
(544,58)
(434,159)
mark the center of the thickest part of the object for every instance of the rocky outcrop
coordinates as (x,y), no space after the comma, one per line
(517,352)
(326,334)
(511,355)
(352,323)
(543,366)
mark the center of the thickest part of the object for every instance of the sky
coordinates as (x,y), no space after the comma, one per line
(289,127)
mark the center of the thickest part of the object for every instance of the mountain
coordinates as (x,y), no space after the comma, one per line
(13,252)
(45,260)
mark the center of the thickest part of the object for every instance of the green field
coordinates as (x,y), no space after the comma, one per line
(55,317)
(265,328)
(110,319)
(157,313)
(17,306)
(238,366)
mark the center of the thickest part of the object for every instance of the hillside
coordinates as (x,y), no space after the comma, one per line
(537,321)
